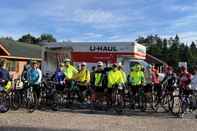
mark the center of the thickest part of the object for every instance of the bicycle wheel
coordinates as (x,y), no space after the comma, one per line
(143,103)
(15,100)
(4,102)
(170,102)
(118,101)
(155,102)
(177,106)
(32,101)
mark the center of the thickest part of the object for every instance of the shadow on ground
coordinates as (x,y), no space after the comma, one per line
(112,112)
(33,129)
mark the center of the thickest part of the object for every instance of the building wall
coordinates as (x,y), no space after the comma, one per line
(19,69)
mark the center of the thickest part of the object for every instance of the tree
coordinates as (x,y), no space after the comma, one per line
(47,38)
(28,38)
(177,39)
(193,47)
(193,50)
(7,38)
(140,40)
(164,50)
(170,50)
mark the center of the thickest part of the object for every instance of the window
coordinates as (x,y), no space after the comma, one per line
(12,65)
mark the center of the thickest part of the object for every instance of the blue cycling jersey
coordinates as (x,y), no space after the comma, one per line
(59,75)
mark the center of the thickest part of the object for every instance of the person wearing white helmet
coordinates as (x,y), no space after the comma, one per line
(69,70)
(83,80)
(114,78)
(98,81)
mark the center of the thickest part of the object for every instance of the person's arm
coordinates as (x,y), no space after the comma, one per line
(122,78)
(87,77)
(23,75)
(28,75)
(189,78)
(164,80)
(40,76)
(109,80)
(142,78)
(75,71)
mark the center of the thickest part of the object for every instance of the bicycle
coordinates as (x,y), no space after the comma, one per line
(136,97)
(57,97)
(15,95)
(183,102)
(31,98)
(118,101)
(163,99)
(4,98)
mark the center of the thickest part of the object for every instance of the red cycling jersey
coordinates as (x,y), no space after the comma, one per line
(185,79)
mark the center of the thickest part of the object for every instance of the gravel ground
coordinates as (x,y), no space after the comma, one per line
(76,121)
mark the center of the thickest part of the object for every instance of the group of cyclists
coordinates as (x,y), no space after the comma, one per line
(99,84)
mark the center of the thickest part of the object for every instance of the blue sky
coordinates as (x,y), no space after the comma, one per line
(99,20)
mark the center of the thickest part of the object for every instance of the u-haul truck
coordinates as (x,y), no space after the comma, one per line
(92,52)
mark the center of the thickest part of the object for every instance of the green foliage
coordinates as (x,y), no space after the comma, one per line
(28,38)
(170,50)
(47,38)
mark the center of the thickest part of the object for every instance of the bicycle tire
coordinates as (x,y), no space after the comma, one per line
(32,102)
(176,106)
(15,100)
(4,102)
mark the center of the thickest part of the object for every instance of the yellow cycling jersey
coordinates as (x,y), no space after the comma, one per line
(82,76)
(70,71)
(98,79)
(123,76)
(8,86)
(136,78)
(114,77)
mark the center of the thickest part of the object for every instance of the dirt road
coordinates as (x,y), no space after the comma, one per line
(76,121)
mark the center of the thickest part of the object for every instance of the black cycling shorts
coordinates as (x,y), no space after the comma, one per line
(99,89)
(37,90)
(60,87)
(135,89)
(186,91)
(147,88)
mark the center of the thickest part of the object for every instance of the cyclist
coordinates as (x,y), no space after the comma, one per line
(83,81)
(148,79)
(98,81)
(25,70)
(184,80)
(156,81)
(60,77)
(169,80)
(92,75)
(194,88)
(124,76)
(5,80)
(5,84)
(34,78)
(114,78)
(69,72)
(184,86)
(194,79)
(136,81)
